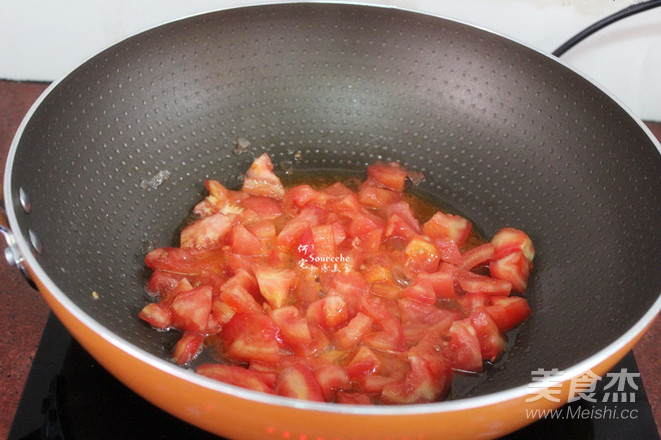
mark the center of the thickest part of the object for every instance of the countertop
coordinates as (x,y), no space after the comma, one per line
(23,312)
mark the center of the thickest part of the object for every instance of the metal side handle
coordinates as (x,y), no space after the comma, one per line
(12,254)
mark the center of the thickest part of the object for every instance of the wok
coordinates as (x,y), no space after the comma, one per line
(504,134)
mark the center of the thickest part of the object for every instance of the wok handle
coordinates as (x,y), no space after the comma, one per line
(12,255)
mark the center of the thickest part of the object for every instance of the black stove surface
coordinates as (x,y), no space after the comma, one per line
(69,396)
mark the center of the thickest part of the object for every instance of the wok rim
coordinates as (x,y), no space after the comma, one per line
(446,406)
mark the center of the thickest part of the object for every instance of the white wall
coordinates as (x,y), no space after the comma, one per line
(45,39)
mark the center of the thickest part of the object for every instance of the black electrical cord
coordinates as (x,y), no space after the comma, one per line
(626,12)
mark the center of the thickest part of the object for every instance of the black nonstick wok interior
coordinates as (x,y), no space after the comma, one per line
(506,135)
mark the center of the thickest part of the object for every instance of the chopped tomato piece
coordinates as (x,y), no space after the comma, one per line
(294,328)
(292,231)
(188,347)
(298,382)
(492,342)
(401,221)
(274,284)
(507,240)
(252,337)
(363,363)
(353,398)
(467,354)
(353,332)
(448,227)
(190,310)
(157,315)
(515,268)
(330,312)
(244,242)
(300,196)
(186,261)
(162,282)
(239,299)
(331,378)
(221,312)
(264,230)
(362,222)
(420,291)
(207,233)
(442,283)
(264,207)
(375,196)
(421,255)
(261,181)
(234,375)
(215,201)
(428,379)
(508,311)
(448,251)
(323,239)
(391,175)
(473,283)
(472,301)
(369,242)
(337,294)
(476,256)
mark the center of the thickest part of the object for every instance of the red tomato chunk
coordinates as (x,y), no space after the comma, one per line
(327,294)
